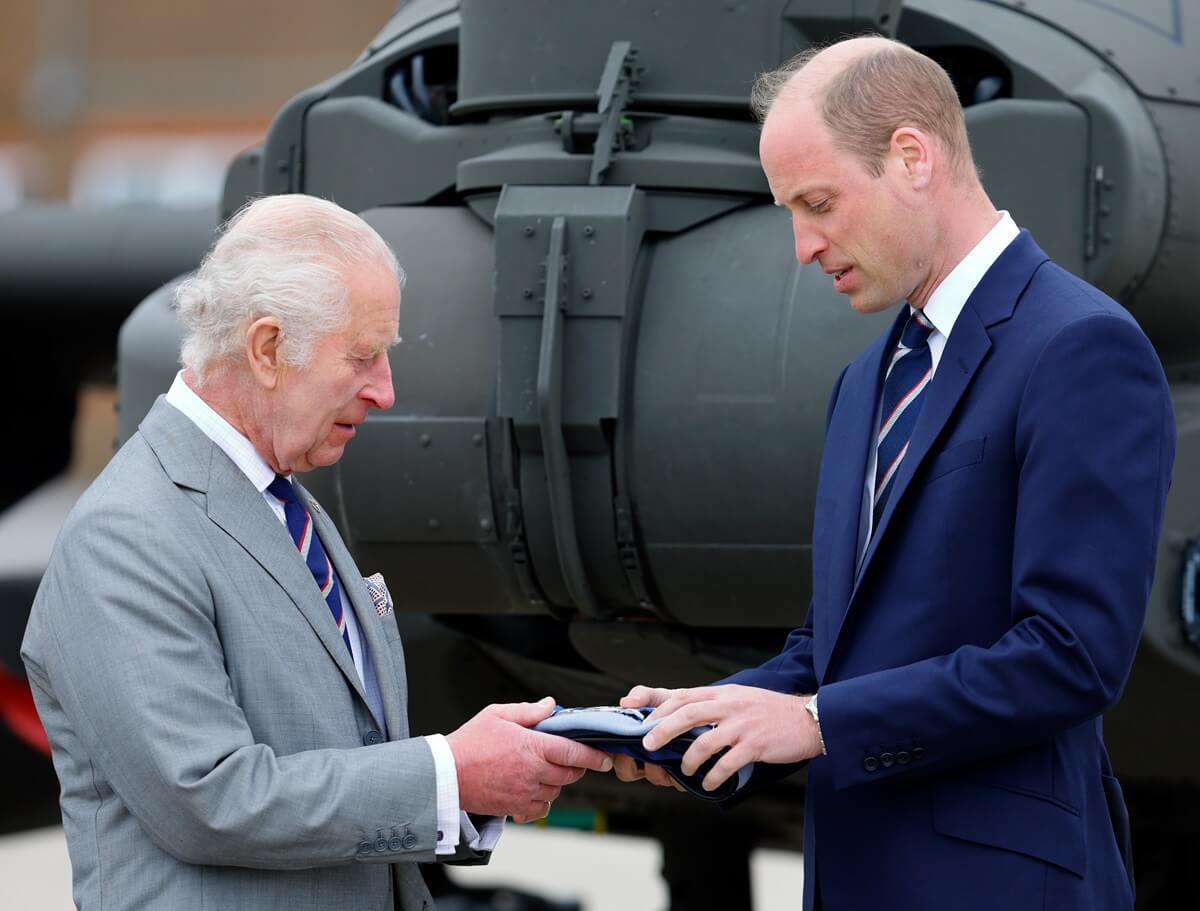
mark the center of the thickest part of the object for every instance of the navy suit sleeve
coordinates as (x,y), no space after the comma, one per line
(1095,440)
(791,671)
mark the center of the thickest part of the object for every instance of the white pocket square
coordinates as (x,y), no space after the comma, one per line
(380,596)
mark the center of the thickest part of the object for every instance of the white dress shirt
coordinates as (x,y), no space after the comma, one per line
(942,311)
(243,454)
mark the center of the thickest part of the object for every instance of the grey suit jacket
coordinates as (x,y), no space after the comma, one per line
(212,739)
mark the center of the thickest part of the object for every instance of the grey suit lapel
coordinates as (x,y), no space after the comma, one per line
(368,619)
(192,460)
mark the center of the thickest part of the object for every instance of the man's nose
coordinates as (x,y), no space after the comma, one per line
(378,392)
(809,243)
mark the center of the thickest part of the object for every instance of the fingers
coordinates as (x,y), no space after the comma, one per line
(702,748)
(561,751)
(526,714)
(679,721)
(645,695)
(727,765)
(657,775)
(679,698)
(537,809)
(627,768)
(547,793)
(560,775)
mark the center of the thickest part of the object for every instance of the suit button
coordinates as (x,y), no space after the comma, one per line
(395,844)
(410,841)
(870,764)
(903,758)
(372,737)
(918,752)
(364,847)
(887,760)
(381,845)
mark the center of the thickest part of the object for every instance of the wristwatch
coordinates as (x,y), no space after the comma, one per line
(811,708)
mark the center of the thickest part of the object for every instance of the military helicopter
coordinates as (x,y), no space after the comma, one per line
(601,463)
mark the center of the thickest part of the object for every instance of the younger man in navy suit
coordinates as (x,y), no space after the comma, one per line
(988,512)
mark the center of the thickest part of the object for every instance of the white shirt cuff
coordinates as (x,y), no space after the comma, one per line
(446,773)
(485,837)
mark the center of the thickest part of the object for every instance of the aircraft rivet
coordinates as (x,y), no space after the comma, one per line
(485,524)
(588,230)
(587,294)
(527,293)
(434,524)
(527,231)
(424,439)
(477,439)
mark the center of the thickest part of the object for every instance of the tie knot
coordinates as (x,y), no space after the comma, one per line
(281,489)
(916,331)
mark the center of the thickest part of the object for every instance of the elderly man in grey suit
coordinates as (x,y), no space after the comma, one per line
(225,700)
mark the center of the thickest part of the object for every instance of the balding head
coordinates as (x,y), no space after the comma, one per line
(866,88)
(287,257)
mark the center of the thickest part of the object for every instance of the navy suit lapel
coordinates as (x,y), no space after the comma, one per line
(850,436)
(965,350)
(992,302)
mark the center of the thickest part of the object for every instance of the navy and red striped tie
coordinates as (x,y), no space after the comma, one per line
(299,525)
(903,390)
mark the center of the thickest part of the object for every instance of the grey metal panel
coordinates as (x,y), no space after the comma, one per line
(362,152)
(1165,304)
(1049,65)
(681,153)
(446,363)
(737,350)
(1043,183)
(1154,44)
(701,52)
(419,480)
(601,250)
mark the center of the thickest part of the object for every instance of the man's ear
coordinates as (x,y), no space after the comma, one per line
(262,352)
(912,151)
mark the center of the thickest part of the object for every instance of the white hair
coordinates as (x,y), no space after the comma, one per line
(287,257)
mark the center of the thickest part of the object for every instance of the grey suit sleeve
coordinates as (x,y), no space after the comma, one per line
(124,634)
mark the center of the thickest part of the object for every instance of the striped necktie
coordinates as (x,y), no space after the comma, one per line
(903,390)
(299,525)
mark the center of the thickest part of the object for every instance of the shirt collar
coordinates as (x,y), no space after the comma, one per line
(234,444)
(949,298)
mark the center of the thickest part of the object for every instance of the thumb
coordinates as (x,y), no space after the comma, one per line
(526,714)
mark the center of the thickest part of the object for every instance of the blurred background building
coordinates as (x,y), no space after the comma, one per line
(130,102)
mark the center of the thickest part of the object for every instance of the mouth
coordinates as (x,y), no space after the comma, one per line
(840,278)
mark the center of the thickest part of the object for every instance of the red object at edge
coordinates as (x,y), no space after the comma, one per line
(20,714)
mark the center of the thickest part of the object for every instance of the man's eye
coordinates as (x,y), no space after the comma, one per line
(820,207)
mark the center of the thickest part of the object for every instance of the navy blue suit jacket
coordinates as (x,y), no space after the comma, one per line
(964,665)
